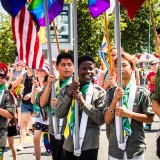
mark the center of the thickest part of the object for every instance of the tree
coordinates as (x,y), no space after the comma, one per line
(7,45)
(137,35)
(134,34)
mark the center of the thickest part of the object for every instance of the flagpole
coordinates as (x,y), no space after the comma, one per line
(76,72)
(109,48)
(154,28)
(56,36)
(53,92)
(117,22)
(115,31)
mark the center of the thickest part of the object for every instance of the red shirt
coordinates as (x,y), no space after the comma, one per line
(151,78)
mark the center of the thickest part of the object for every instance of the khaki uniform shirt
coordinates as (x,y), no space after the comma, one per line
(94,110)
(135,145)
(9,105)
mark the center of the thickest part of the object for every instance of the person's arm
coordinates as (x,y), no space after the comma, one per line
(8,106)
(63,103)
(111,104)
(137,77)
(156,107)
(44,97)
(145,114)
(6,114)
(124,112)
(18,81)
(94,112)
(101,79)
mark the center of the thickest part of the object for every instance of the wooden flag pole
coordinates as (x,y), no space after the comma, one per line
(109,48)
(56,36)
(154,27)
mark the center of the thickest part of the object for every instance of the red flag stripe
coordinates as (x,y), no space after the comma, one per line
(27,40)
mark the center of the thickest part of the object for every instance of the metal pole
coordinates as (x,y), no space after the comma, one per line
(115,38)
(76,72)
(117,6)
(50,61)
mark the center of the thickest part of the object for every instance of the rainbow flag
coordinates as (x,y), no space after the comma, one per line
(36,7)
(103,60)
(104,46)
(97,7)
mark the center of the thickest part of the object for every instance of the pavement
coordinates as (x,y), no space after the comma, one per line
(28,152)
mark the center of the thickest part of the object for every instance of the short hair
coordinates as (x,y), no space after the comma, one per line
(127,57)
(114,47)
(64,56)
(85,58)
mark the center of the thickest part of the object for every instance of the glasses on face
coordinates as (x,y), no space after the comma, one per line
(2,76)
(154,64)
(113,55)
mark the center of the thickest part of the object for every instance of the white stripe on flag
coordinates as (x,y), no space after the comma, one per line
(27,40)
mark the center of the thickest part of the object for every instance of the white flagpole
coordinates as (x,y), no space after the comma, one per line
(76,72)
(118,40)
(56,131)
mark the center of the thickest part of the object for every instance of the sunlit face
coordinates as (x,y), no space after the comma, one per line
(86,71)
(40,73)
(113,54)
(154,65)
(65,68)
(126,69)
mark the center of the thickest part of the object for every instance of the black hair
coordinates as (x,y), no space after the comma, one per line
(85,58)
(64,56)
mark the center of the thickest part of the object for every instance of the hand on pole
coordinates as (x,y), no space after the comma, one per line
(119,92)
(54,102)
(122,111)
(51,79)
(74,86)
(79,97)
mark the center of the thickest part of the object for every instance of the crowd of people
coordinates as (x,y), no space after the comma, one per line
(28,106)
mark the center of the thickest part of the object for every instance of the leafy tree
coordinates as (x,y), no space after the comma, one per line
(7,45)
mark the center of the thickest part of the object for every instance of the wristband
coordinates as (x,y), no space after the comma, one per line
(112,111)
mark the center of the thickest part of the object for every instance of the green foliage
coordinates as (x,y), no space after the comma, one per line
(7,45)
(136,37)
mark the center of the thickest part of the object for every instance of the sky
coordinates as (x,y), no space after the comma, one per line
(2,10)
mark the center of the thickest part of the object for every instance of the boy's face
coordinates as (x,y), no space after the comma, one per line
(126,69)
(65,68)
(86,71)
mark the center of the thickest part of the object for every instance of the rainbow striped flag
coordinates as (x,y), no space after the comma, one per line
(36,7)
(103,60)
(104,46)
(97,7)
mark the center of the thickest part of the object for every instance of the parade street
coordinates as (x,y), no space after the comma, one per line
(28,152)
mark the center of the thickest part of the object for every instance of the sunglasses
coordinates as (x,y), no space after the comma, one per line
(2,76)
(154,64)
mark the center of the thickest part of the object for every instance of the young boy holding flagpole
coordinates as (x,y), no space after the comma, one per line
(65,67)
(91,100)
(135,111)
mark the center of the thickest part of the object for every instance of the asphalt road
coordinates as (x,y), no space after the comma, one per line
(28,152)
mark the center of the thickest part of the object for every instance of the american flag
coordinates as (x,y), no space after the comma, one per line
(27,40)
